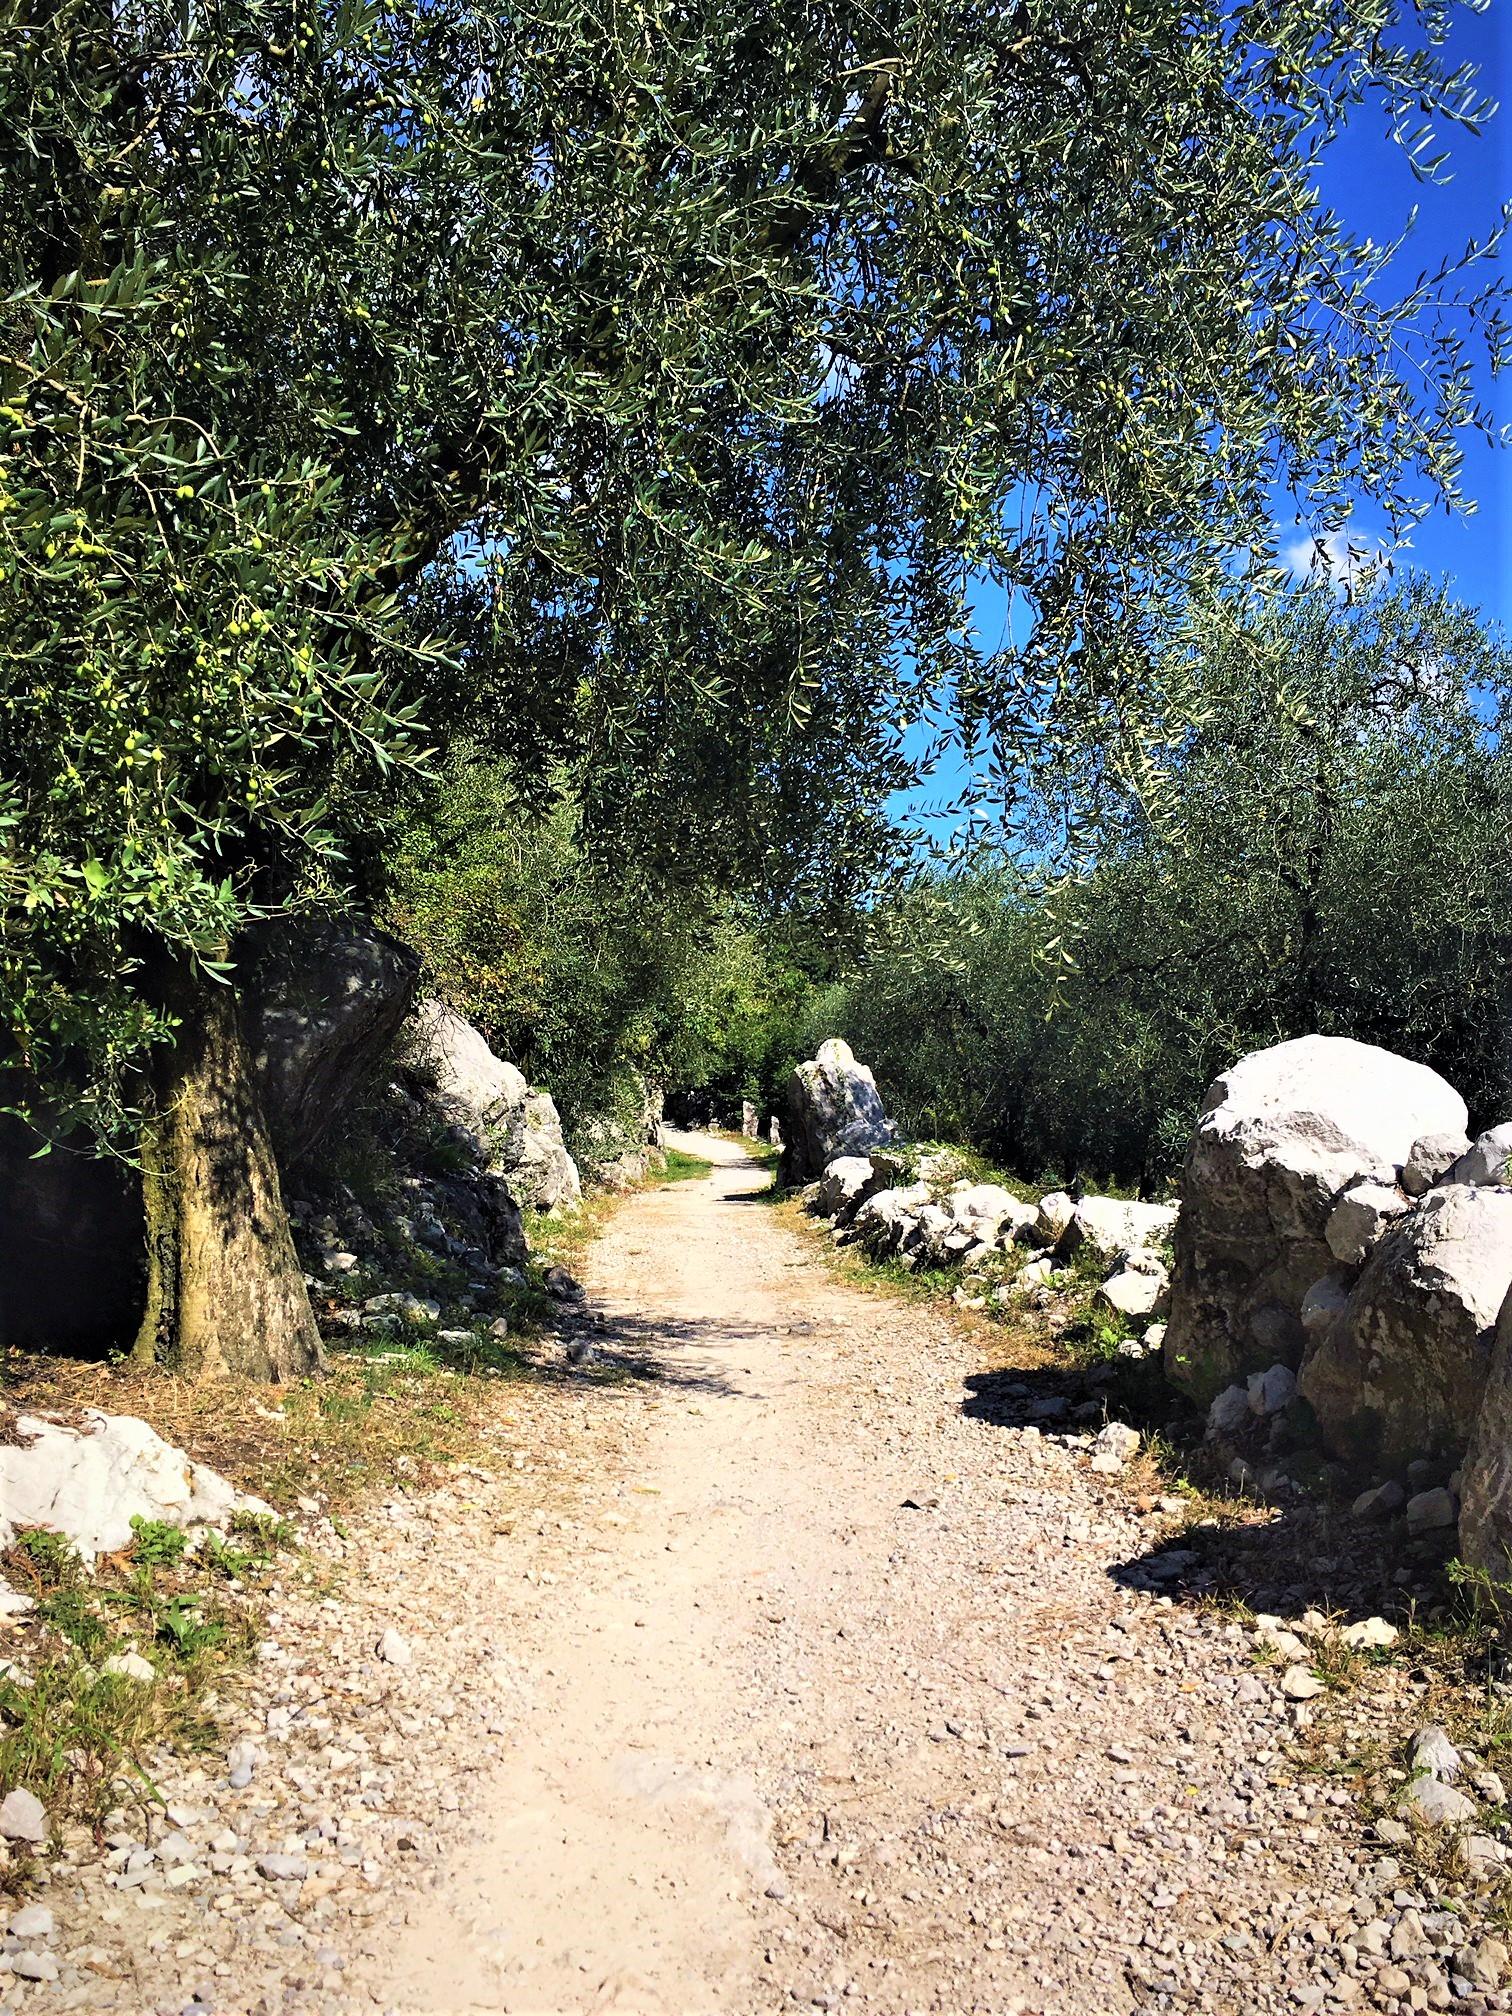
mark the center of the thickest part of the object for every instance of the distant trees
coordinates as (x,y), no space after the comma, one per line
(582,971)
(634,392)
(1337,855)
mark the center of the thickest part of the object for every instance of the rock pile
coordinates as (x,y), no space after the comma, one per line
(622,1148)
(1283,1138)
(1343,1271)
(1399,1370)
(943,1220)
(1342,1286)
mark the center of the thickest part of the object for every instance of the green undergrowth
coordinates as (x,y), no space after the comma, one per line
(79,1735)
(678,1167)
(949,1163)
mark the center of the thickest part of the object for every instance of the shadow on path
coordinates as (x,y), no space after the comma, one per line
(662,1350)
(1303,1551)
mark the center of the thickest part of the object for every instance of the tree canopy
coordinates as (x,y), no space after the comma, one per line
(1340,862)
(637,390)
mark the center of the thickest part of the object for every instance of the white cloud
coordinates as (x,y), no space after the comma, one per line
(1346,558)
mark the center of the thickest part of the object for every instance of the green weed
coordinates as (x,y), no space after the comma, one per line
(76,1734)
(183,1625)
(265,1526)
(49,1556)
(157,1544)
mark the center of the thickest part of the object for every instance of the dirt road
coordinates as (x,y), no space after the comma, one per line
(856,1700)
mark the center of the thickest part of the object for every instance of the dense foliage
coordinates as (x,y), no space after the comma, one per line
(636,390)
(584,972)
(1341,861)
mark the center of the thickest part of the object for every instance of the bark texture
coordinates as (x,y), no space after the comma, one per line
(225,1291)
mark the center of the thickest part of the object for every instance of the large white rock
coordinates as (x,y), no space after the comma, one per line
(891,1216)
(1229,1411)
(1400,1372)
(833,1108)
(844,1187)
(514,1130)
(1485,1519)
(1271,1391)
(1487,1158)
(1134,1292)
(89,1482)
(1056,1210)
(991,1212)
(486,1087)
(934,1236)
(1109,1226)
(1430,1161)
(1359,1218)
(1280,1136)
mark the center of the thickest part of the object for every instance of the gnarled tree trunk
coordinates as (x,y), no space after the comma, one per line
(225,1292)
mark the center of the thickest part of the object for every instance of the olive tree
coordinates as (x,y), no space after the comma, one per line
(1333,852)
(634,388)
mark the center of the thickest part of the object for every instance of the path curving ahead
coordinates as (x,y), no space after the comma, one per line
(847,1697)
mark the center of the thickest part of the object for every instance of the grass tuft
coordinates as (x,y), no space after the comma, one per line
(73,1732)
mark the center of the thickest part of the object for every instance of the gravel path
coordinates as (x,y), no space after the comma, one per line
(787,1675)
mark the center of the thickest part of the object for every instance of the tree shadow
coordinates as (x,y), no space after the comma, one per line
(1289,1551)
(625,1349)
(73,1274)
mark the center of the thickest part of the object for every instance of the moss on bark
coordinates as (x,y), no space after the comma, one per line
(225,1291)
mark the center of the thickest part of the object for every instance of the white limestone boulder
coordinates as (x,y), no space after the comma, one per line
(486,1088)
(513,1129)
(1135,1293)
(844,1187)
(1359,1218)
(833,1108)
(1430,1160)
(992,1213)
(1487,1160)
(1111,1226)
(885,1220)
(933,1236)
(1280,1137)
(88,1482)
(1399,1373)
(1050,1222)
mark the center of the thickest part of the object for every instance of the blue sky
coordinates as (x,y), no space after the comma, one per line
(1368,182)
